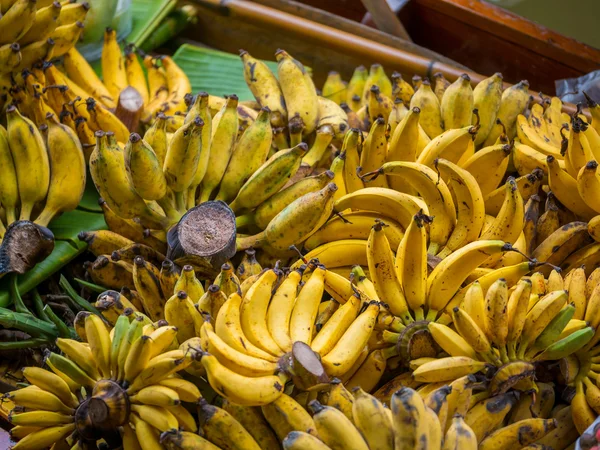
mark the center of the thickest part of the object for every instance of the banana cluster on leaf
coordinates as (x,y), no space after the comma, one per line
(117,386)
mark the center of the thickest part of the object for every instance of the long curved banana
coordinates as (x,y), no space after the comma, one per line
(31,161)
(17,21)
(299,93)
(306,307)
(68,174)
(454,145)
(488,166)
(335,429)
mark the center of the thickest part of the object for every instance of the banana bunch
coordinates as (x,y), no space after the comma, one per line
(119,386)
(297,112)
(32,31)
(43,170)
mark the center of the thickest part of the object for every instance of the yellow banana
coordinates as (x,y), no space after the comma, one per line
(31,160)
(514,100)
(135,74)
(306,308)
(17,20)
(454,145)
(45,22)
(299,93)
(457,103)
(335,429)
(241,389)
(113,65)
(285,415)
(487,96)
(430,118)
(409,419)
(44,437)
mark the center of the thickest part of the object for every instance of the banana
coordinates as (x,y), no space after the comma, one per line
(470,215)
(248,155)
(587,184)
(299,93)
(45,22)
(285,415)
(135,74)
(17,20)
(540,316)
(446,369)
(333,116)
(299,440)
(237,361)
(31,160)
(188,283)
(521,433)
(460,436)
(11,57)
(335,429)
(372,421)
(566,239)
(157,88)
(40,419)
(450,341)
(241,389)
(434,192)
(269,178)
(176,440)
(430,117)
(34,53)
(336,326)
(49,382)
(306,308)
(253,311)
(280,310)
(396,205)
(514,100)
(440,85)
(411,265)
(68,169)
(487,97)
(146,433)
(80,355)
(182,158)
(409,419)
(113,64)
(567,345)
(401,89)
(403,146)
(377,77)
(457,103)
(356,87)
(228,327)
(38,399)
(178,87)
(162,367)
(347,350)
(454,145)
(449,274)
(374,151)
(181,313)
(564,186)
(385,277)
(9,190)
(44,437)
(494,157)
(253,421)
(527,185)
(156,395)
(349,154)
(146,278)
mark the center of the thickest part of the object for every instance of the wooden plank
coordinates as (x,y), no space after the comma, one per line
(385,19)
(518,30)
(327,16)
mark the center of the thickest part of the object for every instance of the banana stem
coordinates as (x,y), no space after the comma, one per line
(191,197)
(503,354)
(431,315)
(45,217)
(63,330)
(512,350)
(433,249)
(172,214)
(244,221)
(11,215)
(419,314)
(234,207)
(204,195)
(26,209)
(180,200)
(247,242)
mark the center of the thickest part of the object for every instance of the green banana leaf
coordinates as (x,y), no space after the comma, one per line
(215,72)
(147,14)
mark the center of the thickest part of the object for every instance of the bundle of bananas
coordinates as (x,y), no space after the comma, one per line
(160,177)
(43,171)
(31,31)
(117,386)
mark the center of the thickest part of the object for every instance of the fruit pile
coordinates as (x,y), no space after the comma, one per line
(448,243)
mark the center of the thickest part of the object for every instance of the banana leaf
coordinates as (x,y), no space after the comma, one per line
(218,73)
(147,15)
(88,216)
